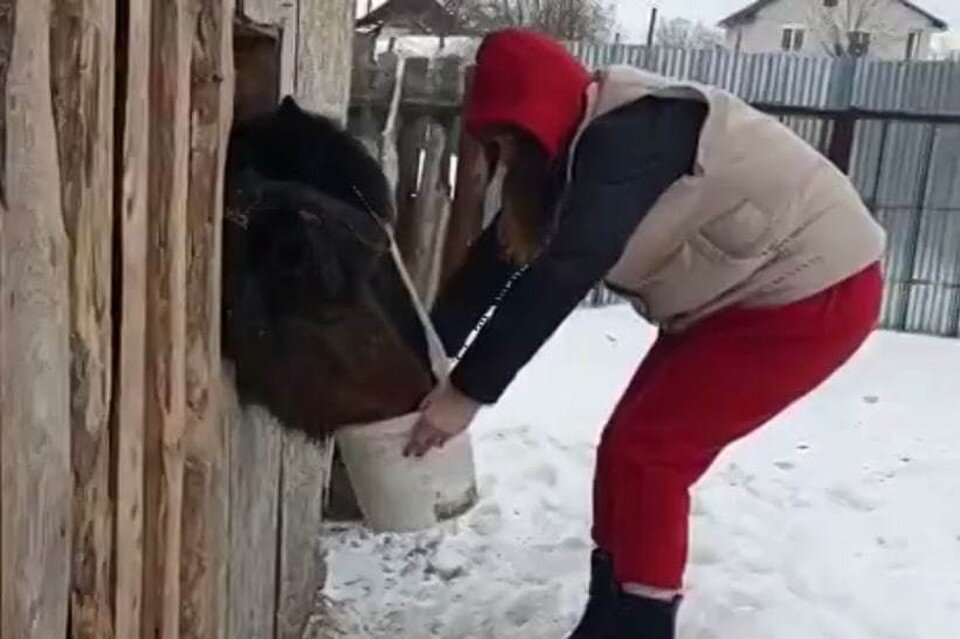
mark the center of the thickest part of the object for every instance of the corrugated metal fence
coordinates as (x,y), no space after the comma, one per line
(905,158)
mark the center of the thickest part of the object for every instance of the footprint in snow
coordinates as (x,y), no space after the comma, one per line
(529,604)
(545,473)
(854,498)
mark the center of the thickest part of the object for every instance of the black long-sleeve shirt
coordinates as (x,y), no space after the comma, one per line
(624,161)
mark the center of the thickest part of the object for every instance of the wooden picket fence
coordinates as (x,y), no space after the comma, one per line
(407,111)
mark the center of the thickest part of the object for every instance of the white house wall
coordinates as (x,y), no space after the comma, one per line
(765,33)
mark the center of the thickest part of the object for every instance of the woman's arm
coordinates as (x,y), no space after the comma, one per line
(471,291)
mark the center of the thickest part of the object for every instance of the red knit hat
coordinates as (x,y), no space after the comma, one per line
(527,80)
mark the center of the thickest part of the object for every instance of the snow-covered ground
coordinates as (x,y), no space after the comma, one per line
(840,520)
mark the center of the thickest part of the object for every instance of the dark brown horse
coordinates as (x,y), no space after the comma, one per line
(317,319)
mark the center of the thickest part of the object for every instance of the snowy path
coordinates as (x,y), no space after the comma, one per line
(840,520)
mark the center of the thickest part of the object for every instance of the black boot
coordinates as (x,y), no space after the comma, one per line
(614,614)
(643,618)
(602,604)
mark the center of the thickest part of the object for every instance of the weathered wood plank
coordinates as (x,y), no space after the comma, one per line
(133,56)
(433,211)
(423,203)
(256,54)
(36,487)
(288,48)
(254,437)
(263,11)
(203,575)
(255,451)
(82,55)
(322,84)
(171,39)
(466,217)
(306,466)
(324,53)
(410,140)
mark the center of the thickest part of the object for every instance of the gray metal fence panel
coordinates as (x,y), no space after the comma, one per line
(907,172)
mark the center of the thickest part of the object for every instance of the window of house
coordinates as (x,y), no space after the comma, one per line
(859,43)
(914,38)
(793,37)
(831,3)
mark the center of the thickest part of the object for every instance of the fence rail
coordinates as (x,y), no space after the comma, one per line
(894,127)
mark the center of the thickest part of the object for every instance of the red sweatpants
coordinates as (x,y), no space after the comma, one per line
(698,391)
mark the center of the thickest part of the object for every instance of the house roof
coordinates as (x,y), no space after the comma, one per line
(424,16)
(749,12)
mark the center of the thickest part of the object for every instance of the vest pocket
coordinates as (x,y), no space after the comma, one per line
(742,233)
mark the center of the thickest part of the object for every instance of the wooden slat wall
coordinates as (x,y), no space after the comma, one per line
(165,406)
(137,500)
(82,55)
(127,424)
(37,491)
(203,567)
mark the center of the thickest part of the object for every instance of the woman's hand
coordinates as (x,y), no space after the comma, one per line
(444,414)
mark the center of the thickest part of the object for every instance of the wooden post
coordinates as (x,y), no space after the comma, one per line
(255,447)
(257,54)
(844,134)
(203,569)
(410,136)
(36,489)
(466,218)
(426,220)
(390,71)
(264,66)
(171,39)
(324,53)
(840,98)
(82,55)
(132,170)
(322,84)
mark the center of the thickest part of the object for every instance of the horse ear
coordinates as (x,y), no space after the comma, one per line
(289,106)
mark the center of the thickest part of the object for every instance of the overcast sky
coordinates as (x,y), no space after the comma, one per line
(634,15)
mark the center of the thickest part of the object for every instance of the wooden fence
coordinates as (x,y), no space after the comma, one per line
(137,499)
(407,112)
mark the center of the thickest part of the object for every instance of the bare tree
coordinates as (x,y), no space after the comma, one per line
(850,27)
(684,34)
(563,19)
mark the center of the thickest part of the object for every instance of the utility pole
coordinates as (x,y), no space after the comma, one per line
(653,25)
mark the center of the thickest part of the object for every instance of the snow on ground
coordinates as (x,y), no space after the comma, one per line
(429,46)
(839,520)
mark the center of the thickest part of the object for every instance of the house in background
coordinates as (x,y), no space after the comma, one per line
(396,18)
(886,29)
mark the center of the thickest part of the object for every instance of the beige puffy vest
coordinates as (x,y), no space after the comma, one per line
(764,220)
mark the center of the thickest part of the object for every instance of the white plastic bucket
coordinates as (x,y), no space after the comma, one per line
(403,494)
